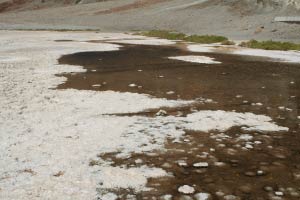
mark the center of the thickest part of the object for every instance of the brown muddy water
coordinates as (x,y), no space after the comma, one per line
(260,168)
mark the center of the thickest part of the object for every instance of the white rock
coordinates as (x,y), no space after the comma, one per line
(279,193)
(201,165)
(230,197)
(281,108)
(161,113)
(219,164)
(186,189)
(202,196)
(132,85)
(182,163)
(170,92)
(166,197)
(138,161)
(260,172)
(245,137)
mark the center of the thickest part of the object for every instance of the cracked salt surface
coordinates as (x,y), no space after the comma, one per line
(48,131)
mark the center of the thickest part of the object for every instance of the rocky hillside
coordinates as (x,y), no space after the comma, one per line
(242,5)
(237,19)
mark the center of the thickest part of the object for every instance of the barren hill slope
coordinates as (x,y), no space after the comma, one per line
(238,19)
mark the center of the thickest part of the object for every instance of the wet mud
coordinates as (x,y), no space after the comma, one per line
(264,166)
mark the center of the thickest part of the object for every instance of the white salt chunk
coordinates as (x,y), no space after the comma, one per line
(186,189)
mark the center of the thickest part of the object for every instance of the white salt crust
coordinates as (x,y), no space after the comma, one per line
(46,131)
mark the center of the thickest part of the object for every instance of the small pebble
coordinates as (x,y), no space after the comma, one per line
(186,189)
(161,113)
(166,197)
(170,92)
(230,197)
(201,165)
(132,85)
(279,193)
(260,172)
(182,163)
(250,174)
(268,188)
(202,196)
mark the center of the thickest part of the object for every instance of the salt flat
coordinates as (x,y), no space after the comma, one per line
(50,138)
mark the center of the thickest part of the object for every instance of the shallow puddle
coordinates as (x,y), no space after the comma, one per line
(249,169)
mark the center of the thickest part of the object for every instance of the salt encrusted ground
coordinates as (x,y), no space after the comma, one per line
(48,136)
(272,55)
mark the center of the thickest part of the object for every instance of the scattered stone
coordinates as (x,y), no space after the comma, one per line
(166,165)
(200,165)
(281,108)
(250,174)
(161,113)
(260,173)
(279,193)
(186,189)
(139,70)
(170,92)
(185,197)
(219,164)
(245,137)
(221,145)
(132,85)
(231,151)
(256,104)
(96,85)
(200,171)
(249,146)
(245,189)
(182,163)
(280,156)
(296,175)
(208,180)
(166,197)
(220,193)
(202,196)
(268,188)
(239,96)
(230,197)
(295,194)
(138,161)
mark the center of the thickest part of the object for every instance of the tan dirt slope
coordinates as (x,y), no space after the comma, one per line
(237,19)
